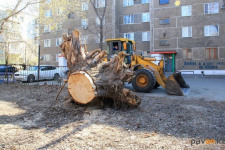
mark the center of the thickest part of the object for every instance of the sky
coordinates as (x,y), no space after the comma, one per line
(7,3)
(11,4)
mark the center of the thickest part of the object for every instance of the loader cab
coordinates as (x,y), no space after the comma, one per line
(114,46)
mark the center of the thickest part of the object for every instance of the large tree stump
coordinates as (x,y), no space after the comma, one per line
(91,78)
(80,82)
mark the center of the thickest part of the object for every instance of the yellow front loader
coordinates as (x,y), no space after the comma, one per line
(148,74)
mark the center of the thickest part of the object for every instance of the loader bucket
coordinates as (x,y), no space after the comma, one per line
(176,85)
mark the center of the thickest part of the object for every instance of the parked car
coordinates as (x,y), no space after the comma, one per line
(66,72)
(31,73)
(7,70)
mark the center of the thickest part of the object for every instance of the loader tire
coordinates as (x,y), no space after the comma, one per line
(144,80)
(156,85)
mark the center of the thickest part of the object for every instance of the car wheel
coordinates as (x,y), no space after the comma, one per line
(30,79)
(56,76)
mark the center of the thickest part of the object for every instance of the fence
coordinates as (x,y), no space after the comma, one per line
(27,74)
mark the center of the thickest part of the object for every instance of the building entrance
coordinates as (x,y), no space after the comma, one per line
(168,63)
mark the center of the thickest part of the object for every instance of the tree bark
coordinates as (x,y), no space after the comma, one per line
(91,78)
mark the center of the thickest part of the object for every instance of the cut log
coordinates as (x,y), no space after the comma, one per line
(81,87)
(91,78)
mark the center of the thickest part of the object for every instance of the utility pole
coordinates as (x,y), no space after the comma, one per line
(6,60)
(39,51)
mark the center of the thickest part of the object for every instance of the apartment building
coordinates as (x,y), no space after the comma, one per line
(127,18)
(86,21)
(19,38)
(134,23)
(188,35)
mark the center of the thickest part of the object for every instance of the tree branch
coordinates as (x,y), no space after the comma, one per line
(14,12)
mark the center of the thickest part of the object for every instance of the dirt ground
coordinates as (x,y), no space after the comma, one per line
(30,118)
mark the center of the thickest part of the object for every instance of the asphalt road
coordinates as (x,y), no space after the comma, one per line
(208,89)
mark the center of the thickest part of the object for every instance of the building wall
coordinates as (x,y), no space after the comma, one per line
(198,42)
(138,26)
(167,37)
(114,25)
(49,54)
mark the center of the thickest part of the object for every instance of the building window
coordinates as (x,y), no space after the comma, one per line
(145,17)
(57,57)
(129,36)
(71,15)
(163,1)
(187,54)
(58,41)
(128,2)
(164,21)
(59,27)
(145,1)
(84,6)
(32,32)
(100,3)
(36,23)
(164,42)
(70,31)
(84,39)
(59,11)
(145,36)
(12,46)
(47,28)
(211,53)
(128,19)
(48,1)
(97,38)
(187,32)
(211,8)
(48,13)
(36,32)
(98,21)
(84,23)
(212,30)
(35,42)
(47,43)
(47,57)
(186,11)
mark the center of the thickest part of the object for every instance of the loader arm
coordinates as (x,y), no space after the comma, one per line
(156,69)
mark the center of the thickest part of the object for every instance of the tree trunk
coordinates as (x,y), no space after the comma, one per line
(91,78)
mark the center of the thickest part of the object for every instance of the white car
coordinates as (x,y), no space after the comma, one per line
(31,73)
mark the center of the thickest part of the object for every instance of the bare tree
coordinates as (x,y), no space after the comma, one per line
(101,17)
(54,12)
(11,36)
(19,7)
(15,47)
(101,14)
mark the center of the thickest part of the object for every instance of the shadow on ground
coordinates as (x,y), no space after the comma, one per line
(178,117)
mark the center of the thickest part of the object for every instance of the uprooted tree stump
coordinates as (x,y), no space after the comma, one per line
(91,78)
